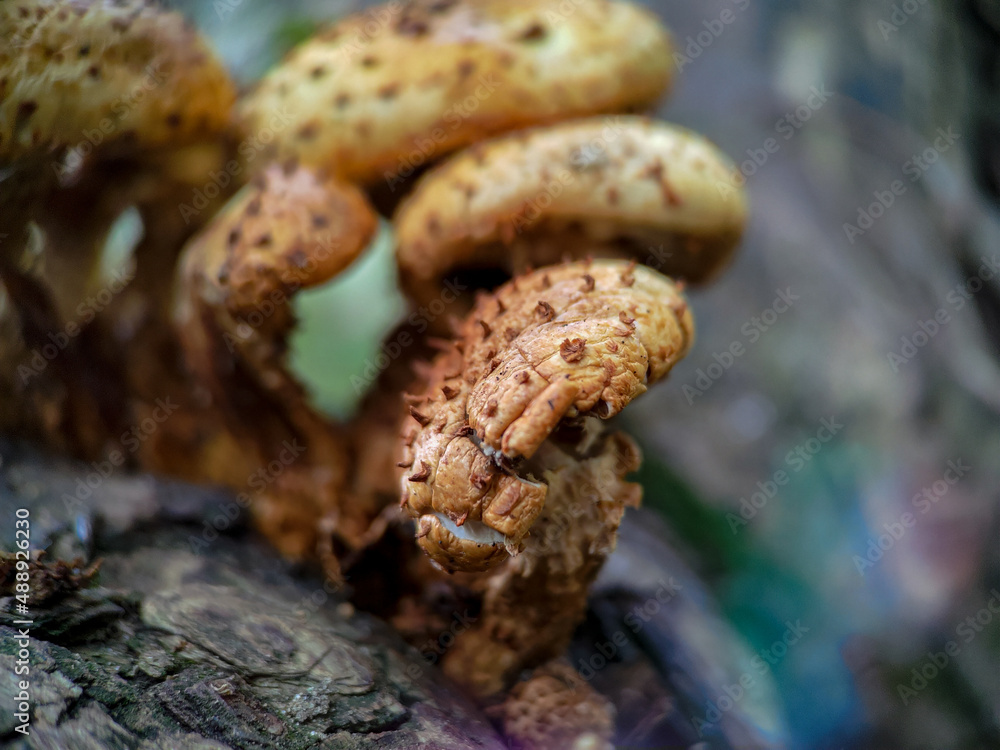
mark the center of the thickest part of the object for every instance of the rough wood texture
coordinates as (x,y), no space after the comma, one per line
(183,645)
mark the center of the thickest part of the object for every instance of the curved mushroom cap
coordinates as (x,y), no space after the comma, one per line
(289,229)
(79,71)
(618,186)
(543,351)
(386,91)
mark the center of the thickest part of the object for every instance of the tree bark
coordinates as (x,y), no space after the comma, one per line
(192,635)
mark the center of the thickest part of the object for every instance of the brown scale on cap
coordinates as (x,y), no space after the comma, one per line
(620,186)
(402,84)
(137,73)
(572,350)
(516,477)
(575,361)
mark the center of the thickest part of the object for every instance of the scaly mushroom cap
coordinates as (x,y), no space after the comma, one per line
(614,186)
(386,91)
(544,351)
(290,228)
(76,71)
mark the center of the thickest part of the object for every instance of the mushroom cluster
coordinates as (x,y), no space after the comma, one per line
(552,225)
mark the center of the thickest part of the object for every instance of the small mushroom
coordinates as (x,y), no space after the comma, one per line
(289,230)
(384,92)
(614,187)
(490,406)
(515,475)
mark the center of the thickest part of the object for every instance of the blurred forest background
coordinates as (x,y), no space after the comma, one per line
(862,408)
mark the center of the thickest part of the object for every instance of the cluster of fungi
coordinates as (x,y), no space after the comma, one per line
(551,206)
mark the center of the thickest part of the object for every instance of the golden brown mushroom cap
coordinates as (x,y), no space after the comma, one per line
(96,71)
(619,186)
(290,228)
(562,343)
(386,91)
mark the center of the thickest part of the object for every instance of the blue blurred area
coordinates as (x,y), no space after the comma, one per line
(804,554)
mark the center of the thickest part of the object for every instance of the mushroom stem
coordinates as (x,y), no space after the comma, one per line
(533,602)
(507,436)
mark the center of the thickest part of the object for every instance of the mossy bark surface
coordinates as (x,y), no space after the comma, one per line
(187,639)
